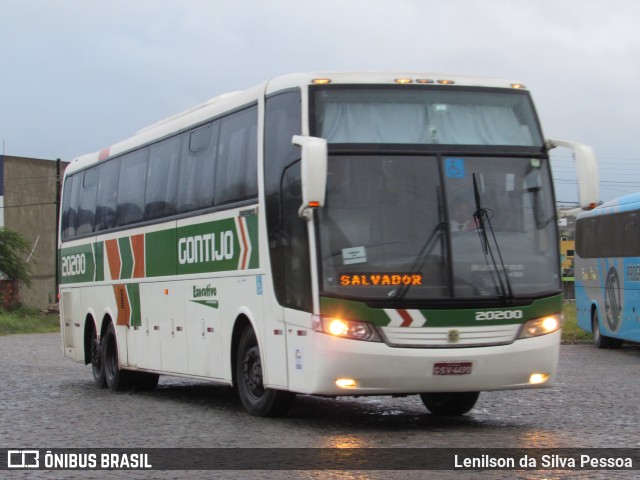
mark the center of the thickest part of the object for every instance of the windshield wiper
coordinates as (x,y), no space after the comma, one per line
(427,248)
(483,223)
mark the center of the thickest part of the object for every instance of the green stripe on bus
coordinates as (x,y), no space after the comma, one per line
(252,232)
(215,246)
(98,255)
(449,317)
(208,247)
(133,291)
(77,264)
(126,257)
(160,253)
(351,310)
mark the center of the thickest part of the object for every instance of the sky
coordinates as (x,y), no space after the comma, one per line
(79,75)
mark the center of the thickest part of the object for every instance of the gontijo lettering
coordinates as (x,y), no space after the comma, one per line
(206,248)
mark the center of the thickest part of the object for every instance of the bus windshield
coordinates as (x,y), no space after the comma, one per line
(402,227)
(425,115)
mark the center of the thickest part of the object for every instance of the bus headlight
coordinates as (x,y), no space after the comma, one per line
(541,326)
(352,329)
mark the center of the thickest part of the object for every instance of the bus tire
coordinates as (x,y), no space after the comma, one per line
(116,378)
(449,403)
(255,398)
(600,340)
(97,367)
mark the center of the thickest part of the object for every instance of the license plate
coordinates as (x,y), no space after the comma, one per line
(452,368)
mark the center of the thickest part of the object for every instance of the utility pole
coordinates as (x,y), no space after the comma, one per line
(58,191)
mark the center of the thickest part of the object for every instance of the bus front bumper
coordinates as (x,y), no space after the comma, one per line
(372,368)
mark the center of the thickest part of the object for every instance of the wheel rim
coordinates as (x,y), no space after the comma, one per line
(252,373)
(111,360)
(595,327)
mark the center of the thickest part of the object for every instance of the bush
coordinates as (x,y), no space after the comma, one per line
(13,251)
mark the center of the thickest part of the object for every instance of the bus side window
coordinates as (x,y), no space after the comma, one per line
(87,201)
(67,221)
(630,235)
(197,166)
(132,185)
(109,173)
(236,169)
(282,121)
(295,243)
(162,179)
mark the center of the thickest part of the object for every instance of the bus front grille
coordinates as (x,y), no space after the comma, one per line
(450,337)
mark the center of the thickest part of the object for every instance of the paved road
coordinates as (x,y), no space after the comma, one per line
(47,401)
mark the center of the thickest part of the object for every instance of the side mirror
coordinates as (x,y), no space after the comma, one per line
(313,172)
(586,171)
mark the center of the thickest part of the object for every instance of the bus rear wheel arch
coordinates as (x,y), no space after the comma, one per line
(93,352)
(449,403)
(116,378)
(255,397)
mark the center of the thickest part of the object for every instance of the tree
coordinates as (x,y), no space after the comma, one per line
(13,249)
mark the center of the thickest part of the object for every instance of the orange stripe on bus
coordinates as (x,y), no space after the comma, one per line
(243,264)
(113,256)
(137,245)
(124,307)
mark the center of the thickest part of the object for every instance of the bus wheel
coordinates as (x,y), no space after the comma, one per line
(600,340)
(97,367)
(116,378)
(257,399)
(449,403)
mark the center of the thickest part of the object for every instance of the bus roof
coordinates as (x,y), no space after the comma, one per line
(390,78)
(229,101)
(621,204)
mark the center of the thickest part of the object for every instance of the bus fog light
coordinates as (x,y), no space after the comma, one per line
(346,383)
(538,378)
(541,326)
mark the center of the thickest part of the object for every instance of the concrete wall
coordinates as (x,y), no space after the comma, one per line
(30,209)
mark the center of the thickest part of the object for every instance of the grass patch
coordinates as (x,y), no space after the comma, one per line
(28,320)
(571,333)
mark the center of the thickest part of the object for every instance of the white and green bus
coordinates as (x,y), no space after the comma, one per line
(334,234)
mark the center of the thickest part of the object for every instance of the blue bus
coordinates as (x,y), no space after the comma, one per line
(607,271)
